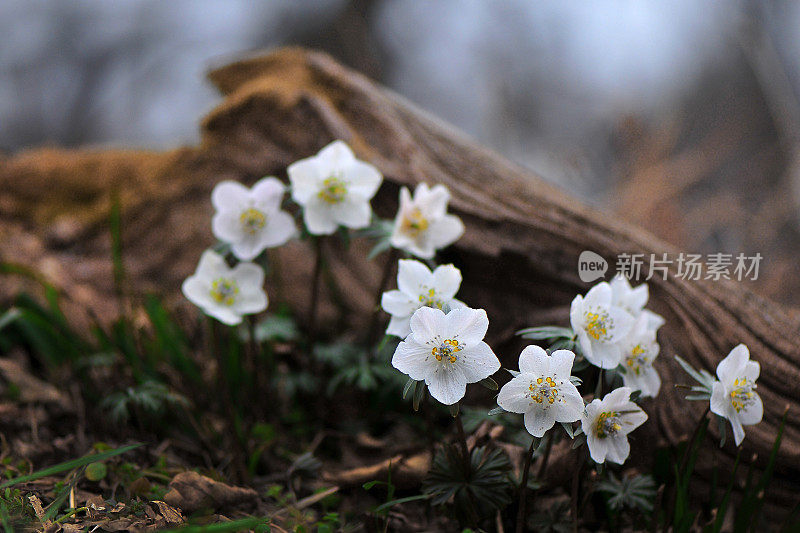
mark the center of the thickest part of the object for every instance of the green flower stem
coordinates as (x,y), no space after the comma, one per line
(523,487)
(673,491)
(462,437)
(374,324)
(315,281)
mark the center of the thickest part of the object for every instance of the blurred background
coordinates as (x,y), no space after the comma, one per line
(680,116)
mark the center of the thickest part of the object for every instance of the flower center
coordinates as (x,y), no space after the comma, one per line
(636,359)
(447,350)
(224,291)
(597,324)
(333,190)
(252,220)
(543,391)
(414,222)
(428,299)
(607,424)
(742,394)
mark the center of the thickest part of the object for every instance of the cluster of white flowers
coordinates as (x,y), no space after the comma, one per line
(614,329)
(442,338)
(334,189)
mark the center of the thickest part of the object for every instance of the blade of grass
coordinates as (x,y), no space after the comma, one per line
(68,465)
(235,525)
(723,506)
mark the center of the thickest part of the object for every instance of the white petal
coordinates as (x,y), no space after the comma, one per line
(753,413)
(251,302)
(352,213)
(305,177)
(602,354)
(248,275)
(399,326)
(229,195)
(534,360)
(268,193)
(413,359)
(426,324)
(247,248)
(447,280)
(586,346)
(599,296)
(447,386)
(467,325)
(576,314)
(538,420)
(616,398)
(445,231)
(398,303)
(751,371)
(618,449)
(637,298)
(363,180)
(433,201)
(412,276)
(623,322)
(561,364)
(478,362)
(720,404)
(336,155)
(732,366)
(226,227)
(279,230)
(211,265)
(225,315)
(572,407)
(598,448)
(654,320)
(738,430)
(651,382)
(197,291)
(318,218)
(513,396)
(630,421)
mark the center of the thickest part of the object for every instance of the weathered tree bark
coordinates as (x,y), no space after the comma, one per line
(518,256)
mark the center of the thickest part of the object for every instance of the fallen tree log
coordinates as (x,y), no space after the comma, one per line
(518,256)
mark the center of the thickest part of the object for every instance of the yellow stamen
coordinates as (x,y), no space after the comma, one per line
(252,220)
(224,291)
(333,190)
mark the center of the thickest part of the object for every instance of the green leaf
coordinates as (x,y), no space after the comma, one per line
(390,504)
(496,411)
(224,527)
(546,332)
(68,465)
(454,408)
(723,506)
(9,316)
(419,394)
(96,471)
(409,384)
(489,383)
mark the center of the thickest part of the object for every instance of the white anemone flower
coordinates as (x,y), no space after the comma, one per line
(600,326)
(226,293)
(734,396)
(419,287)
(608,422)
(422,224)
(447,351)
(542,391)
(334,189)
(251,220)
(639,350)
(633,300)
